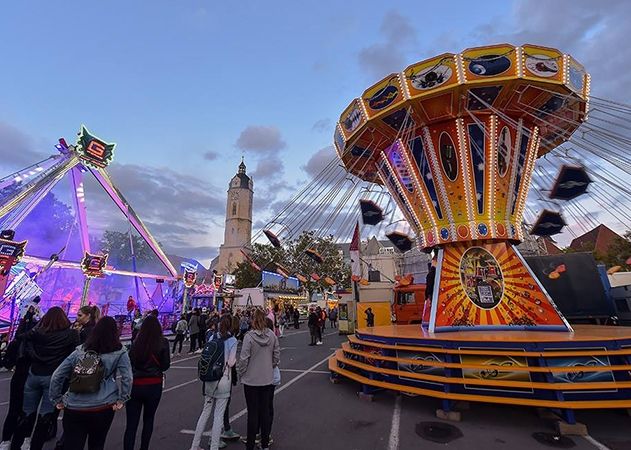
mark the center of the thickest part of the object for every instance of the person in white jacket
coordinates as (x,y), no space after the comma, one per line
(217,391)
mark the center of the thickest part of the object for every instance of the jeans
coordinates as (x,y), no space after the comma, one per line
(258,400)
(36,391)
(193,342)
(147,397)
(16,400)
(81,425)
(226,414)
(215,434)
(179,338)
(201,336)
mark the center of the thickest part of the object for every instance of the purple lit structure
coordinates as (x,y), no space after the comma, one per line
(61,278)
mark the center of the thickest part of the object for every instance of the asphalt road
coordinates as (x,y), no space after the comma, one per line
(311,413)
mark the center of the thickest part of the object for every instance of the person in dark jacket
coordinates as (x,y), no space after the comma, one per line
(47,345)
(15,358)
(296,318)
(312,322)
(150,358)
(203,327)
(193,328)
(87,317)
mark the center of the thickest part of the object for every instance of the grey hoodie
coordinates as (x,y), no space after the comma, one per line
(259,355)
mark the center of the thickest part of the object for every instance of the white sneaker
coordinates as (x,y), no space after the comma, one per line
(5,445)
(27,444)
(319,343)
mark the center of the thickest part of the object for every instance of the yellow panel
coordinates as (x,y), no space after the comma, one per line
(383,96)
(542,63)
(496,62)
(431,75)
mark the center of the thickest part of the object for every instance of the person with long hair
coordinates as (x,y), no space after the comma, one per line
(259,355)
(88,416)
(150,358)
(16,358)
(47,345)
(194,327)
(217,392)
(87,316)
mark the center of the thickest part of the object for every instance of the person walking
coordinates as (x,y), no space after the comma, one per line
(244,325)
(90,402)
(16,358)
(333,317)
(47,345)
(370,318)
(217,392)
(193,326)
(312,322)
(296,318)
(150,358)
(318,330)
(180,333)
(203,327)
(259,355)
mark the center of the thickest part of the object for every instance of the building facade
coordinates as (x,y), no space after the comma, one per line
(238,231)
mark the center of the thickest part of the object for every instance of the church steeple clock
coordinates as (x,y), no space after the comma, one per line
(238,231)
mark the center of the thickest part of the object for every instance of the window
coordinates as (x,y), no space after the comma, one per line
(234,208)
(374,276)
(405,298)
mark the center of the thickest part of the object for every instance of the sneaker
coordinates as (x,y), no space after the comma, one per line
(319,343)
(27,444)
(222,443)
(198,351)
(228,435)
(5,445)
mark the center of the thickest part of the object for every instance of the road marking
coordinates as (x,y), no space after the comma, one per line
(183,359)
(243,412)
(393,443)
(302,371)
(595,443)
(172,388)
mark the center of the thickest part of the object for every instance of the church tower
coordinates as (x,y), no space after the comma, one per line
(238,232)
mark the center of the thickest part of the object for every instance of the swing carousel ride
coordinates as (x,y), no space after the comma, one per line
(67,267)
(440,158)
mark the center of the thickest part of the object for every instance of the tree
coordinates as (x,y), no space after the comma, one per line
(292,256)
(617,253)
(117,245)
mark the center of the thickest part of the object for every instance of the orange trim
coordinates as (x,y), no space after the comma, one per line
(346,348)
(588,404)
(339,356)
(551,354)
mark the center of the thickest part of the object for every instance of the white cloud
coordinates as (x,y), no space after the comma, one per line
(261,139)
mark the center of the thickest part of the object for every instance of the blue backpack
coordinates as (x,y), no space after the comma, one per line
(212,360)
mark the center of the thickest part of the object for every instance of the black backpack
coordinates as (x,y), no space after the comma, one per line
(212,360)
(87,374)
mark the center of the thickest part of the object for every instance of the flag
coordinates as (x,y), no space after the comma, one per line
(356,268)
(329,281)
(315,277)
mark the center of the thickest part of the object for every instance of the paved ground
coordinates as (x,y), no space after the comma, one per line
(312,413)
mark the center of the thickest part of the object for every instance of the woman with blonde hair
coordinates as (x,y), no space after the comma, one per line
(259,356)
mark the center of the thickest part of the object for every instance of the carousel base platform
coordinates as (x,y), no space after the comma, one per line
(587,369)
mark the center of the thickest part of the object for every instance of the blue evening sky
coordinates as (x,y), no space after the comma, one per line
(173,81)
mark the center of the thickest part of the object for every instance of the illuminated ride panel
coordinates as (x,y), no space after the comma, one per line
(454,139)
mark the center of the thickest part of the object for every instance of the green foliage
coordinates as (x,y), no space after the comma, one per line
(617,253)
(293,258)
(117,246)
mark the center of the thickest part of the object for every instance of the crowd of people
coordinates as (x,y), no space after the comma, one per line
(84,370)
